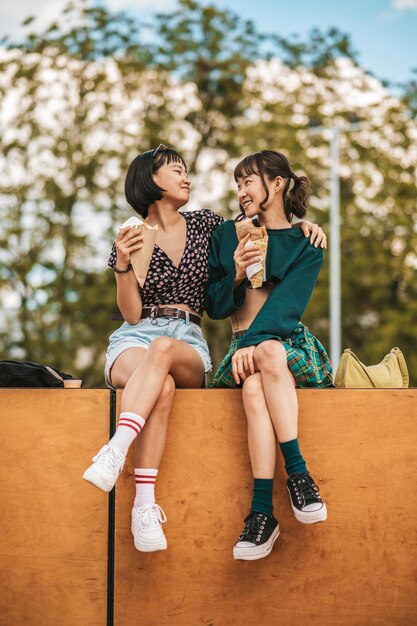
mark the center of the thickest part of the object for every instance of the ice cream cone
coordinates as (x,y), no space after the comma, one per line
(140,259)
(258,237)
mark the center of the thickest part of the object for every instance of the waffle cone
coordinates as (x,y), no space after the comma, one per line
(140,259)
(259,236)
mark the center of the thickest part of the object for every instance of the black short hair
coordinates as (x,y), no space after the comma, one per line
(140,188)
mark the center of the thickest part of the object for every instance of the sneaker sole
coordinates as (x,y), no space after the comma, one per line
(143,547)
(96,480)
(239,553)
(309,518)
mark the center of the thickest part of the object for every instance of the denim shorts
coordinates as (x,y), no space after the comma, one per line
(142,334)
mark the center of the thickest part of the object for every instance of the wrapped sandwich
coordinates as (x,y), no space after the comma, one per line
(258,237)
(140,259)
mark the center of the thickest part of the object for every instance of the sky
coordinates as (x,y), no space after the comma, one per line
(383,32)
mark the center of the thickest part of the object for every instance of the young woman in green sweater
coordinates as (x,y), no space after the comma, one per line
(271,351)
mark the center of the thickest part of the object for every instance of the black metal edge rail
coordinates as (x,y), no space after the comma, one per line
(111,526)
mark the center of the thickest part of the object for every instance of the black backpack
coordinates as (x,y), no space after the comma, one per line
(27,374)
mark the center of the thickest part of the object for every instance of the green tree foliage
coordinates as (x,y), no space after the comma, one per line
(410,94)
(81,99)
(89,32)
(71,126)
(318,51)
(378,176)
(212,49)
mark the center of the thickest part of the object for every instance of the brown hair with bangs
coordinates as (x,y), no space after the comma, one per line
(271,164)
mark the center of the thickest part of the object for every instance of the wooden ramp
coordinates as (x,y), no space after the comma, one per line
(54,540)
(357,569)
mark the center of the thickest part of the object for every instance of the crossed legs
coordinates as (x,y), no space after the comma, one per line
(148,378)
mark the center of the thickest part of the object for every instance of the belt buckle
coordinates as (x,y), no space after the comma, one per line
(154,312)
(181,314)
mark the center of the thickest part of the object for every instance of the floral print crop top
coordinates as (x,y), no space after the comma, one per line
(165,282)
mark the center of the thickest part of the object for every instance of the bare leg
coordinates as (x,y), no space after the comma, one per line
(149,447)
(164,356)
(279,396)
(261,529)
(278,388)
(261,435)
(149,391)
(109,461)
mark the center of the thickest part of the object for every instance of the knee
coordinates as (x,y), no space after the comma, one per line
(271,357)
(161,348)
(252,388)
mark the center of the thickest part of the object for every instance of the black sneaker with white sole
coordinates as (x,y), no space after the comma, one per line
(257,537)
(307,505)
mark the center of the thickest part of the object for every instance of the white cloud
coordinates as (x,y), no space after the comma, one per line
(403,5)
(13,13)
(45,11)
(137,5)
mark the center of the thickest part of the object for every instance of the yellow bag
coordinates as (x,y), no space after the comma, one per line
(390,373)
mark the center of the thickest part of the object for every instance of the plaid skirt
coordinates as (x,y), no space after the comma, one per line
(306,358)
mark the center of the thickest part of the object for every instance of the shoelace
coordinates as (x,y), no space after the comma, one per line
(252,528)
(150,515)
(108,458)
(306,488)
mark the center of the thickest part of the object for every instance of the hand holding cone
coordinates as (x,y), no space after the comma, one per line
(258,236)
(140,259)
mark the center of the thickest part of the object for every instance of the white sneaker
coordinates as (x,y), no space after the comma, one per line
(146,528)
(108,463)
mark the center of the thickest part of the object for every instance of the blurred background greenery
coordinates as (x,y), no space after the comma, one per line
(82,98)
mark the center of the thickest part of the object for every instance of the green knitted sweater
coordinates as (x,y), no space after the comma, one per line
(292,263)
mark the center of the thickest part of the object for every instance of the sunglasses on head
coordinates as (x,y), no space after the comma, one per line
(161,145)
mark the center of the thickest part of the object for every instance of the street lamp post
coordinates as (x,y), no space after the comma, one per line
(335,296)
(335,265)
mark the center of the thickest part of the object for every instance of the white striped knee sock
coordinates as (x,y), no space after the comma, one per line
(128,428)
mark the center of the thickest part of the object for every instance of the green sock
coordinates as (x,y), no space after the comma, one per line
(262,495)
(294,462)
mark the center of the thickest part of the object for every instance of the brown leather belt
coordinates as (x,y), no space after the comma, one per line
(169,311)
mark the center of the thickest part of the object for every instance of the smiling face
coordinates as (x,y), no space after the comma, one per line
(173,179)
(251,193)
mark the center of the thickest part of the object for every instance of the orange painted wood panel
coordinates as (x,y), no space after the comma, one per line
(53,539)
(359,568)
